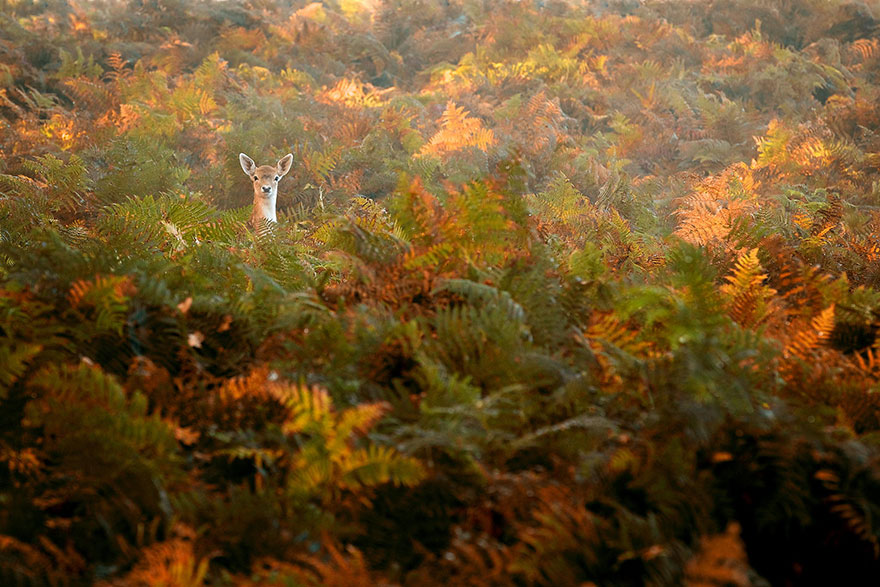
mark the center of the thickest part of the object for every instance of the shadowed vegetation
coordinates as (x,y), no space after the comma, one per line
(561,293)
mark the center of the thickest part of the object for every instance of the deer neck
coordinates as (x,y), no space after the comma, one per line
(264,207)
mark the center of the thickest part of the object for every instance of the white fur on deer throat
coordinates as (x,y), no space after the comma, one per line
(265,180)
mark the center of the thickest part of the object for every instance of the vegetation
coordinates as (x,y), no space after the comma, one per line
(560,293)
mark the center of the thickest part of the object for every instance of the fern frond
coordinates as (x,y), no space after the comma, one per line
(748,296)
(828,217)
(308,407)
(804,341)
(171,562)
(332,567)
(118,64)
(14,360)
(865,50)
(376,465)
(319,163)
(105,299)
(606,328)
(90,94)
(360,419)
(480,293)
(210,73)
(457,131)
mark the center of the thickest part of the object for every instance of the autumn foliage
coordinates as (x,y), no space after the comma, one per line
(561,293)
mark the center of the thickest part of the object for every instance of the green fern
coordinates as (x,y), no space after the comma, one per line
(329,460)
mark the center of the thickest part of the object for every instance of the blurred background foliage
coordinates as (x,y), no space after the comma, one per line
(561,293)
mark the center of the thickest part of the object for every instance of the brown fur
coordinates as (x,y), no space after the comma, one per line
(265,178)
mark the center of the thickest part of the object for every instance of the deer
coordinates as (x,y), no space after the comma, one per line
(265,178)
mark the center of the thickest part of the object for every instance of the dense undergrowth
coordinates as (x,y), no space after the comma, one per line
(561,293)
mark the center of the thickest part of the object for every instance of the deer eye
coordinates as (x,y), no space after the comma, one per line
(277,178)
(256,178)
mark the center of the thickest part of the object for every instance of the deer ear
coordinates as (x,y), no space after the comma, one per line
(284,165)
(247,164)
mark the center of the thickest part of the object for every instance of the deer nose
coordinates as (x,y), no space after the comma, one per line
(267,189)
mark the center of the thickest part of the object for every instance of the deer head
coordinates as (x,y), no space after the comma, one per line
(265,178)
